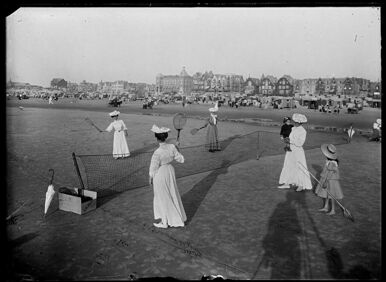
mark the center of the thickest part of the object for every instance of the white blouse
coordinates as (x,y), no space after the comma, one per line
(298,136)
(116,125)
(165,154)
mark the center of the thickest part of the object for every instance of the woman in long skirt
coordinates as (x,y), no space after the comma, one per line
(120,148)
(293,173)
(212,133)
(167,200)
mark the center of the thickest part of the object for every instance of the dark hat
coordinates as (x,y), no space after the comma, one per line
(285,119)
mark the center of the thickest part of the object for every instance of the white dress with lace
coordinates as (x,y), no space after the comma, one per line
(120,148)
(293,172)
(167,200)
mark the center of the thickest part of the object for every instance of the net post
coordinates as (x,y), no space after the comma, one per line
(80,191)
(258,145)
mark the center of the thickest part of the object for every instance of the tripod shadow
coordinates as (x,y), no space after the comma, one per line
(281,244)
(335,267)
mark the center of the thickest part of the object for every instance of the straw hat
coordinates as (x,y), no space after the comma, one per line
(157,129)
(329,151)
(299,118)
(114,114)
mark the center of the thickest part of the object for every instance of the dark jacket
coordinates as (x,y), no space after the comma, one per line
(286,130)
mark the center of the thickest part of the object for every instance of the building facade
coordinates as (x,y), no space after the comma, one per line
(285,86)
(251,86)
(173,84)
(58,83)
(267,85)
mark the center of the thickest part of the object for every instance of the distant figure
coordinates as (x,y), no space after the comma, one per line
(329,179)
(212,133)
(120,148)
(377,127)
(350,133)
(285,132)
(167,202)
(50,100)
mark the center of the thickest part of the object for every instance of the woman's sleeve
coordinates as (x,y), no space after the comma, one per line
(124,126)
(299,138)
(177,155)
(154,164)
(110,127)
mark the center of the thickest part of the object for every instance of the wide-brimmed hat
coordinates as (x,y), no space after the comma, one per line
(329,151)
(379,121)
(157,129)
(114,114)
(300,118)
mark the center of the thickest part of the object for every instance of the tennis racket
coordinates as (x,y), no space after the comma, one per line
(89,121)
(179,121)
(195,130)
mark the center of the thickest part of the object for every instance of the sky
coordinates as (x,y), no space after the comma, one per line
(136,44)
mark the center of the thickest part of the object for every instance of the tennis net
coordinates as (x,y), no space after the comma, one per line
(107,175)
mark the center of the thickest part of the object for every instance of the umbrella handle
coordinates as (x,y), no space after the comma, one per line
(52,176)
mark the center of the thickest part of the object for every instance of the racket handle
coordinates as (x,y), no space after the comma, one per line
(178,134)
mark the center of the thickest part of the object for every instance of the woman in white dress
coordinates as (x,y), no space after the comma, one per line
(167,200)
(120,148)
(292,172)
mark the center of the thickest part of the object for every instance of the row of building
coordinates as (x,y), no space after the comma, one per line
(184,84)
(267,85)
(118,87)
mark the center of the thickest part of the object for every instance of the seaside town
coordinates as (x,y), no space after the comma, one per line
(193,144)
(330,95)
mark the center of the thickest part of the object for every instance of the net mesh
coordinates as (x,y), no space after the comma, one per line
(107,175)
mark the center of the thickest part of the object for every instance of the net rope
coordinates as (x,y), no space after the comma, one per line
(106,175)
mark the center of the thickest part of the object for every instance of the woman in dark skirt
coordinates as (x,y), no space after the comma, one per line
(212,134)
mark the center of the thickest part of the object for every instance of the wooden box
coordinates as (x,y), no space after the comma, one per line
(69,200)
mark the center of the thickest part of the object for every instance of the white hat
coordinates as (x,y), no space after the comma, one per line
(113,114)
(299,118)
(214,109)
(157,129)
(379,121)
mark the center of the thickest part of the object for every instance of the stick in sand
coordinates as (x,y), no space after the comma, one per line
(346,212)
(13,213)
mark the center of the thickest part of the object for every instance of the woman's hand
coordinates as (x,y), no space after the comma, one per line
(127,134)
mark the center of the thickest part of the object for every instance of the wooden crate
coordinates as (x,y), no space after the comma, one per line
(73,203)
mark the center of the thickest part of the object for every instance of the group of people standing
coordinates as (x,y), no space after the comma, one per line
(167,204)
(295,172)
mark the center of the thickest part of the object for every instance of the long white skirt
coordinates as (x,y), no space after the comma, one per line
(293,172)
(120,148)
(167,200)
